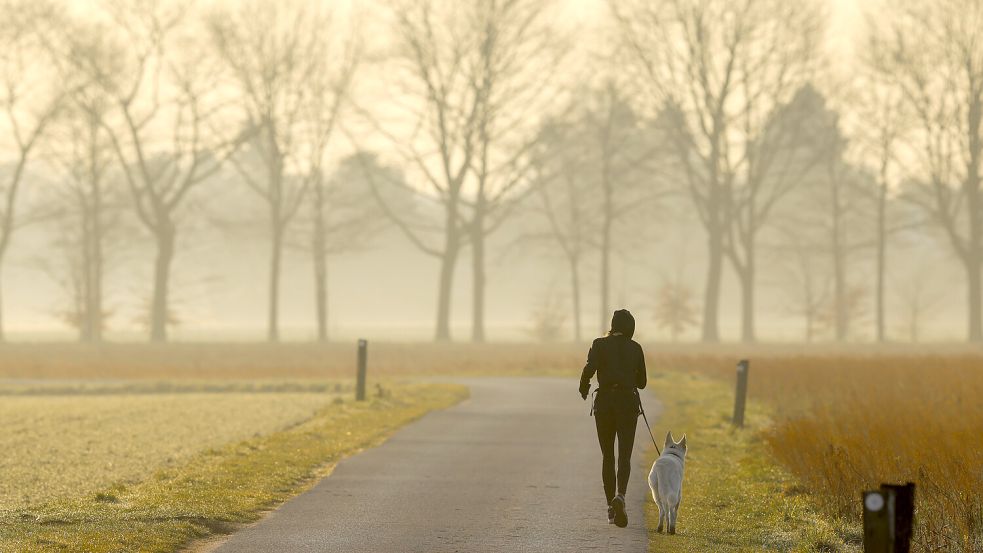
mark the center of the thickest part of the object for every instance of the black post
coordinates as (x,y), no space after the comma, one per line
(904,514)
(363,347)
(741,399)
(888,516)
(878,522)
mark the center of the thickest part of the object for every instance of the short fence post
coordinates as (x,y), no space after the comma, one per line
(888,515)
(741,399)
(363,346)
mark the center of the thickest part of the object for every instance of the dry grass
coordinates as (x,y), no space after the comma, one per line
(249,361)
(846,423)
(63,446)
(217,488)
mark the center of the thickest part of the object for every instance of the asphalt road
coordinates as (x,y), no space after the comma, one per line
(514,468)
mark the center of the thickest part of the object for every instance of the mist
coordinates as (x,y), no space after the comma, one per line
(348,88)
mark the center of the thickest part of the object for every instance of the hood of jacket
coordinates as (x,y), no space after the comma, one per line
(622,322)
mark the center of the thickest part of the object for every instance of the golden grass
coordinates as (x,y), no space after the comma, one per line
(849,423)
(216,489)
(736,498)
(63,446)
(250,361)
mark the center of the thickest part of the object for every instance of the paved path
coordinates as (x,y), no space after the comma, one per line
(514,468)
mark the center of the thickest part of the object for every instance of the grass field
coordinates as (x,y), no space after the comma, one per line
(64,446)
(147,472)
(840,418)
(736,498)
(848,423)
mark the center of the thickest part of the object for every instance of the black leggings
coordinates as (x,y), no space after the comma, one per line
(616,417)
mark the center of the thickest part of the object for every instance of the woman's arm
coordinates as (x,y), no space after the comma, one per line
(589,369)
(641,377)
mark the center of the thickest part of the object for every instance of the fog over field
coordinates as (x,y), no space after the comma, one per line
(581,64)
(243,241)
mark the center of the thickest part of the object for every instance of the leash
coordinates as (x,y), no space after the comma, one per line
(646,419)
(640,410)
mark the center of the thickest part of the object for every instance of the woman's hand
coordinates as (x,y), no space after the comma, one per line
(584,389)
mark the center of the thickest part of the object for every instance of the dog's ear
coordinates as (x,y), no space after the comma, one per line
(669,440)
(682,443)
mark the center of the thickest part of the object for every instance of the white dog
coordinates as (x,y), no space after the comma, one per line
(666,481)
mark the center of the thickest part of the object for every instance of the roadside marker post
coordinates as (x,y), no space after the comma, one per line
(888,516)
(363,346)
(741,399)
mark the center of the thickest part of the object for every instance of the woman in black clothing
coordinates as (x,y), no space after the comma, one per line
(619,364)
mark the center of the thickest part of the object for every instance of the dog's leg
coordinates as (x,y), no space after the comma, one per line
(673,512)
(663,515)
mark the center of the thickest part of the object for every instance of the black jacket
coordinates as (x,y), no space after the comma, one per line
(618,361)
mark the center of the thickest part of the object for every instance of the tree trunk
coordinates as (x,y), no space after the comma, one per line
(321,293)
(96,238)
(162,268)
(3,336)
(974,298)
(7,224)
(84,290)
(711,303)
(448,263)
(320,263)
(747,296)
(974,252)
(276,253)
(881,253)
(478,288)
(606,247)
(575,290)
(840,316)
(605,276)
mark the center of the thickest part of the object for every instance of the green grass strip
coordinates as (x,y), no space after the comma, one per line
(736,498)
(221,488)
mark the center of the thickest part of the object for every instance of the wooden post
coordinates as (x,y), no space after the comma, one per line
(888,515)
(878,522)
(741,398)
(363,347)
(904,514)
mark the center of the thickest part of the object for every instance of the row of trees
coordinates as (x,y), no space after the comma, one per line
(724,107)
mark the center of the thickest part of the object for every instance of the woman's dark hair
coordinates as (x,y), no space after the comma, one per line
(623,322)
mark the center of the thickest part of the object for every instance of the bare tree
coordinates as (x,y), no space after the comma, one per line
(882,121)
(792,141)
(932,52)
(87,204)
(343,218)
(164,125)
(621,148)
(515,66)
(435,69)
(840,204)
(718,69)
(292,79)
(592,170)
(338,209)
(562,201)
(805,279)
(919,300)
(30,97)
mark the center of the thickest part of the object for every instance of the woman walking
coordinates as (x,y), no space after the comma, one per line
(619,364)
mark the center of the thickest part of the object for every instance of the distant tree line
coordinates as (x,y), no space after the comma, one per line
(485,114)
